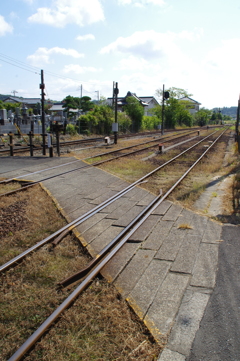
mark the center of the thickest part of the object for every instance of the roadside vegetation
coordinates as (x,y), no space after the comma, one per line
(99,325)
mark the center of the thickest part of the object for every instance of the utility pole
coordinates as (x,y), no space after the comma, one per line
(162,128)
(42,87)
(165,95)
(115,125)
(97,91)
(113,97)
(237,125)
(14,92)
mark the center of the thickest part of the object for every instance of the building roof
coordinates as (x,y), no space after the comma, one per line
(22,100)
(60,107)
(122,100)
(148,99)
(190,100)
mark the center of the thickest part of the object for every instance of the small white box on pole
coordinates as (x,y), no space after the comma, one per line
(115,127)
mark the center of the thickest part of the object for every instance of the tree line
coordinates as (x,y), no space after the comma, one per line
(98,117)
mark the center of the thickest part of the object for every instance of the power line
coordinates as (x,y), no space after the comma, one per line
(33,69)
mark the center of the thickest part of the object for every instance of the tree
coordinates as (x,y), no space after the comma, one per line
(202,117)
(135,110)
(98,120)
(176,93)
(175,112)
(86,104)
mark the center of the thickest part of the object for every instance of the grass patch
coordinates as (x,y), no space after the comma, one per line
(99,325)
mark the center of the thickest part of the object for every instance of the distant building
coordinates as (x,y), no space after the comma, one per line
(191,104)
(148,102)
(28,102)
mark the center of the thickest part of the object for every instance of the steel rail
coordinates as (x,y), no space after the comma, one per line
(63,234)
(30,184)
(95,156)
(70,299)
(87,215)
(80,219)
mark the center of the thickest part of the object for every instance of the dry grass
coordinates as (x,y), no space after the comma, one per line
(99,325)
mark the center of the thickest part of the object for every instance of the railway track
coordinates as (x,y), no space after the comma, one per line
(105,255)
(23,149)
(169,139)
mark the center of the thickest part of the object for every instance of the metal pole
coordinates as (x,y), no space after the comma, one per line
(42,86)
(31,143)
(116,91)
(162,127)
(237,125)
(11,144)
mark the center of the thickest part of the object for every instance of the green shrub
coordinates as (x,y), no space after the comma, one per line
(150,122)
(71,129)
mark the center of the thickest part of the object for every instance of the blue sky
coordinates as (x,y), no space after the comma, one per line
(141,44)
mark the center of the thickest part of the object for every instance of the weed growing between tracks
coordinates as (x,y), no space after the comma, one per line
(190,189)
(99,325)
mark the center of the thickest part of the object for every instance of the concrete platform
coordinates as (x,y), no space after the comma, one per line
(167,269)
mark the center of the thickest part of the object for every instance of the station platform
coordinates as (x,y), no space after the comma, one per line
(168,269)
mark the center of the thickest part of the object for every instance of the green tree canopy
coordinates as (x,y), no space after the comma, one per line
(202,117)
(135,110)
(83,103)
(175,111)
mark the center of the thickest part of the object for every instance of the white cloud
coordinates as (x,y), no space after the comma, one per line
(77,69)
(149,44)
(42,55)
(4,27)
(142,3)
(85,37)
(225,57)
(132,63)
(65,12)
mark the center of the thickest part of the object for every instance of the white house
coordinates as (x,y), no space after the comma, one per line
(148,102)
(191,104)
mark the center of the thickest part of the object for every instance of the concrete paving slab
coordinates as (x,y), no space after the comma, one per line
(168,355)
(115,266)
(118,204)
(212,232)
(145,229)
(161,314)
(148,198)
(158,235)
(103,239)
(126,218)
(92,194)
(103,197)
(13,166)
(172,213)
(186,256)
(75,213)
(125,205)
(96,230)
(90,222)
(118,185)
(133,270)
(171,245)
(72,203)
(180,267)
(204,271)
(187,322)
(144,292)
(198,224)
(138,195)
(184,219)
(162,208)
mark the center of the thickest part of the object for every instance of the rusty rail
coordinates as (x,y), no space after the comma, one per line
(70,299)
